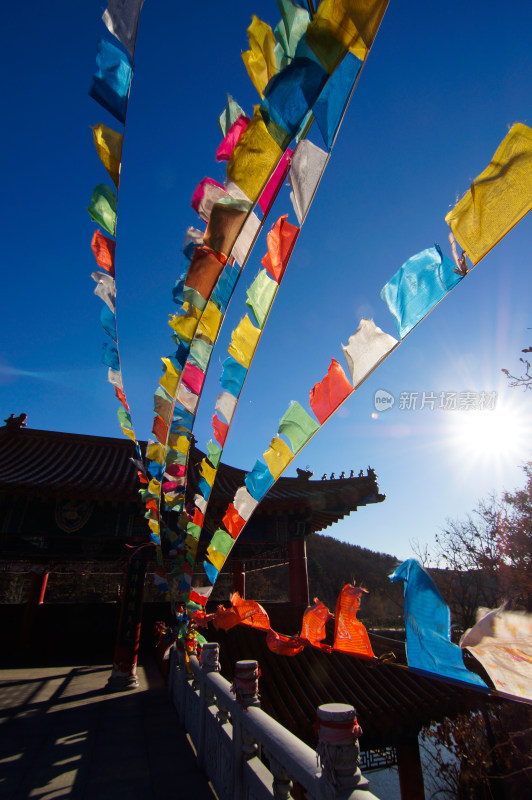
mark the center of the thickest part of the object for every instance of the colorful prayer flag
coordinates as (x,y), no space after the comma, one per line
(110,82)
(281,240)
(366,348)
(102,208)
(326,396)
(297,426)
(108,145)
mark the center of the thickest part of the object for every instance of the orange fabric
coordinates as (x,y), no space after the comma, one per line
(281,240)
(121,396)
(233,521)
(283,645)
(104,252)
(315,619)
(326,396)
(350,635)
(224,226)
(197,519)
(226,618)
(251,613)
(160,429)
(203,272)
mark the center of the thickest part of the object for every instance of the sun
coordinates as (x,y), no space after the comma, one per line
(500,435)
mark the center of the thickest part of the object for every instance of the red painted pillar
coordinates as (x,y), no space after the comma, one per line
(239,578)
(37,590)
(410,772)
(124,673)
(297,559)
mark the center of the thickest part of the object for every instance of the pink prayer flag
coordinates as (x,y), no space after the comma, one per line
(326,396)
(231,138)
(272,187)
(175,470)
(199,191)
(193,378)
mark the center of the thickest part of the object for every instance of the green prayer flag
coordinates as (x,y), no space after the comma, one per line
(230,114)
(175,457)
(193,530)
(260,296)
(297,426)
(222,542)
(194,298)
(215,453)
(103,208)
(124,418)
(200,353)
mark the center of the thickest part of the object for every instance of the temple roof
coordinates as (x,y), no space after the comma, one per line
(54,464)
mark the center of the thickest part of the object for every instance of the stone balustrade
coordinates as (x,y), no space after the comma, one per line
(246,754)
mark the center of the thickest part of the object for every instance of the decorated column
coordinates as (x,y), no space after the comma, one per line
(410,772)
(124,674)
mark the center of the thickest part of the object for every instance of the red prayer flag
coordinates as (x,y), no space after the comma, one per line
(281,240)
(104,252)
(220,430)
(283,645)
(233,521)
(350,635)
(121,396)
(251,613)
(325,397)
(197,519)
(315,619)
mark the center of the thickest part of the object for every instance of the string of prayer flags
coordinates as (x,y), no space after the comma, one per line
(254,157)
(428,626)
(297,426)
(341,25)
(332,101)
(326,396)
(110,82)
(365,350)
(102,207)
(260,60)
(121,19)
(244,340)
(108,145)
(308,165)
(498,198)
(502,642)
(281,240)
(350,635)
(260,296)
(418,286)
(104,252)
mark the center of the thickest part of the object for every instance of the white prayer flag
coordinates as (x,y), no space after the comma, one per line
(365,349)
(244,503)
(308,163)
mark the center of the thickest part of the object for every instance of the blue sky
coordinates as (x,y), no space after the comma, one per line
(440,89)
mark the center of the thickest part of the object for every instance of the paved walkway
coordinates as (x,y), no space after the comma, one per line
(62,734)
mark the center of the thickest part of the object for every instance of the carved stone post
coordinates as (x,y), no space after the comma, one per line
(338,747)
(209,661)
(246,689)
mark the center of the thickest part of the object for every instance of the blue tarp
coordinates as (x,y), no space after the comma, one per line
(259,480)
(233,376)
(110,82)
(331,103)
(291,93)
(428,626)
(415,289)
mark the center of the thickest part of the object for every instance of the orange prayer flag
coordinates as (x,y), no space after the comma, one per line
(160,429)
(281,240)
(315,619)
(104,252)
(121,396)
(225,618)
(283,645)
(233,521)
(251,613)
(326,396)
(350,635)
(197,519)
(203,271)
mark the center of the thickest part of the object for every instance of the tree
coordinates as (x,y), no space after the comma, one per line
(516,542)
(524,380)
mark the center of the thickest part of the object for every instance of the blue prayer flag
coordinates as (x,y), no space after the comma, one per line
(259,480)
(177,290)
(181,419)
(428,626)
(110,356)
(110,82)
(203,488)
(291,93)
(225,285)
(210,571)
(233,376)
(332,101)
(418,286)
(108,320)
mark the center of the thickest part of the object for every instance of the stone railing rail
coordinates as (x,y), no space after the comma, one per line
(245,753)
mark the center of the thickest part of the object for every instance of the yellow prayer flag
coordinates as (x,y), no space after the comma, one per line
(254,158)
(498,198)
(344,24)
(129,433)
(210,322)
(108,145)
(260,60)
(156,452)
(185,324)
(153,525)
(170,379)
(216,558)
(208,472)
(278,456)
(154,486)
(244,340)
(178,442)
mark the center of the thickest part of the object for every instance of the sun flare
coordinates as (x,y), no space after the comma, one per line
(500,435)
